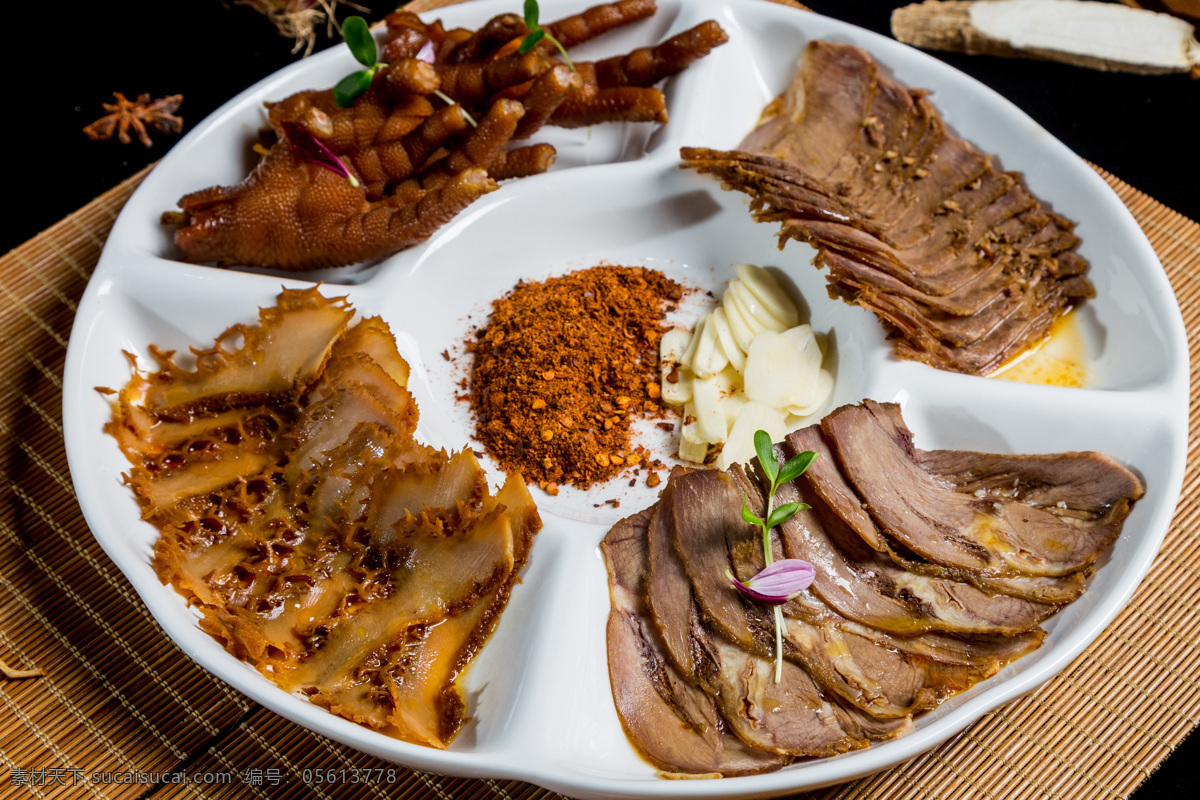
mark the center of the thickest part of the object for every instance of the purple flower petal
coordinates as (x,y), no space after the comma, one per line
(753,595)
(426,52)
(308,147)
(778,582)
(788,575)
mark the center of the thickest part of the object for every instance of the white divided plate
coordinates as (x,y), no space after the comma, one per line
(540,702)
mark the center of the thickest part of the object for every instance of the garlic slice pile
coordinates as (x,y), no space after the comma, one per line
(747,366)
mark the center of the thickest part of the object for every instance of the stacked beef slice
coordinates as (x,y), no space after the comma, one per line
(933,570)
(964,267)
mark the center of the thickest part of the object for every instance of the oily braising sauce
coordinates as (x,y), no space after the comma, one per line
(1060,360)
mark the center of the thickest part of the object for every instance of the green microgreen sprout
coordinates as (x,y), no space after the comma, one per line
(357,35)
(802,572)
(358,38)
(537,33)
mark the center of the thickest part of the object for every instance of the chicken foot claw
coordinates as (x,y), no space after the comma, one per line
(363,182)
(295,215)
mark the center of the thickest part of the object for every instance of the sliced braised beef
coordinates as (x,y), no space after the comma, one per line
(825,478)
(957,258)
(668,591)
(882,633)
(836,97)
(872,672)
(1076,484)
(792,716)
(884,683)
(706,525)
(863,586)
(674,724)
(926,515)
(1052,590)
(979,656)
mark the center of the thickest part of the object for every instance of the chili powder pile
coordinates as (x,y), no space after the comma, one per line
(562,367)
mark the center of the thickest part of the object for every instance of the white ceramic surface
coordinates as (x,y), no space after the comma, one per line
(539,694)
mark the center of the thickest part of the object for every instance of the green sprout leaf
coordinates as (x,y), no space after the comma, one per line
(350,87)
(537,33)
(360,41)
(766,456)
(795,467)
(358,38)
(531,41)
(784,513)
(748,516)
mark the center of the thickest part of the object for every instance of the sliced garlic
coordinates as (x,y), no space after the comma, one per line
(801,332)
(733,302)
(824,388)
(748,366)
(769,293)
(811,355)
(729,346)
(782,368)
(673,345)
(822,342)
(742,333)
(671,348)
(710,417)
(732,406)
(689,355)
(680,391)
(755,416)
(690,430)
(708,358)
(755,308)
(692,448)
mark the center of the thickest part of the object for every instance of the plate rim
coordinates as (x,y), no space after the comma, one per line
(475,764)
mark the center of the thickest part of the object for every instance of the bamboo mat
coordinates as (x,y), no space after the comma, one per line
(118,696)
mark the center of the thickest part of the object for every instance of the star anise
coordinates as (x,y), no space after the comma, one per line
(125,114)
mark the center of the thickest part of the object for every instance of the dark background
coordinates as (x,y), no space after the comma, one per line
(1143,129)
